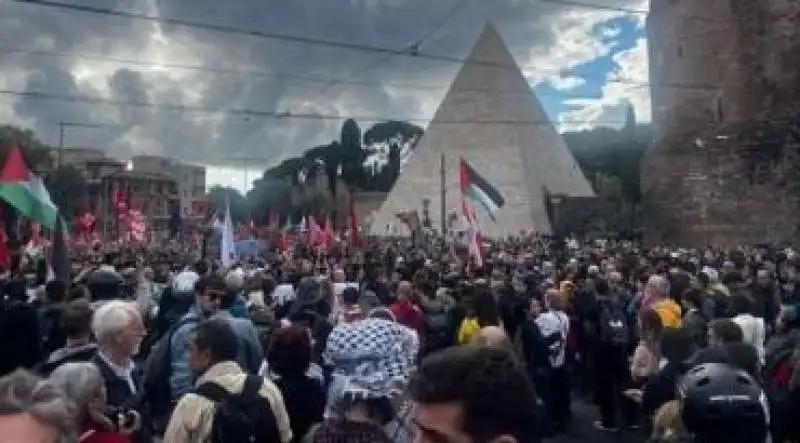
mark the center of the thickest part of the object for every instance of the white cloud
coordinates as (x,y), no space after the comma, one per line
(610,32)
(567,83)
(609,110)
(231,177)
(575,43)
(548,41)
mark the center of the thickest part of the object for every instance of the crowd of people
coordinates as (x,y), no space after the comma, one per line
(397,342)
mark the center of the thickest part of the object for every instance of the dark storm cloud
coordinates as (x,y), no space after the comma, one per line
(215,137)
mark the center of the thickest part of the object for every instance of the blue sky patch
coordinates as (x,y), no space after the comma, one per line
(622,33)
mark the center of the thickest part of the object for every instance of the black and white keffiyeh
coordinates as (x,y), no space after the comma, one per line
(371,358)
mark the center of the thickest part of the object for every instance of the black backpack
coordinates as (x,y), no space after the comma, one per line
(613,325)
(241,418)
(157,371)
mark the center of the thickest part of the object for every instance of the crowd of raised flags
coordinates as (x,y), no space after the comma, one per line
(49,235)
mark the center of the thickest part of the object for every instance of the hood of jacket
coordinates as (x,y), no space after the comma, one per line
(669,311)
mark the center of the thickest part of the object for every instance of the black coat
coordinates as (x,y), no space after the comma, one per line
(696,324)
(119,395)
(662,387)
(20,339)
(304,398)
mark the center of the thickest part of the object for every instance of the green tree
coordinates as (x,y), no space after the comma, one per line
(270,196)
(218,195)
(352,154)
(384,131)
(387,176)
(36,153)
(68,189)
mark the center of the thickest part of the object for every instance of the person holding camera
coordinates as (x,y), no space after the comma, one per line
(119,330)
(97,422)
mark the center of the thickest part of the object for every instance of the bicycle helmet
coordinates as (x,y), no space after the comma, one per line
(721,404)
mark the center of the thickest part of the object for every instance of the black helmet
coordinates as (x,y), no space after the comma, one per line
(722,403)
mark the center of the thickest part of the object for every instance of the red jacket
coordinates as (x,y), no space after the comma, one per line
(93,434)
(409,315)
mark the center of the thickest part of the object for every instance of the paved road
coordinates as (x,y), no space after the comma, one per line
(583,430)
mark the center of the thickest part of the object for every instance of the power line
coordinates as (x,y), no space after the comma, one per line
(298,39)
(314,79)
(587,5)
(268,114)
(226,29)
(412,48)
(597,6)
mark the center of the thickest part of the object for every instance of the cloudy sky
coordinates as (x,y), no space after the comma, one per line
(202,95)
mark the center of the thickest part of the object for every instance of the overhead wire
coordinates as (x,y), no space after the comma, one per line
(411,48)
(316,79)
(632,11)
(247,112)
(314,41)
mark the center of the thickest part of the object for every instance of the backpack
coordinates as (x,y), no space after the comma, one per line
(613,325)
(264,321)
(437,327)
(50,326)
(238,418)
(157,370)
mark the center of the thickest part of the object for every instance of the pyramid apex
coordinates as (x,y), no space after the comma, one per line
(489,27)
(489,32)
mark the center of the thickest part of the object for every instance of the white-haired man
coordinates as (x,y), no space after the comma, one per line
(119,330)
(234,301)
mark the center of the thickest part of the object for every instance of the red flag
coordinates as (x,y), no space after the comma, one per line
(4,257)
(316,236)
(274,220)
(353,225)
(474,232)
(15,168)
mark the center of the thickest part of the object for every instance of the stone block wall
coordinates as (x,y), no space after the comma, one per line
(725,86)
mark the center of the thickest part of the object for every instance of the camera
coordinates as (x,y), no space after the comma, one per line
(121,416)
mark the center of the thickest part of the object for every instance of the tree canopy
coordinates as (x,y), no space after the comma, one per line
(217,197)
(368,161)
(68,189)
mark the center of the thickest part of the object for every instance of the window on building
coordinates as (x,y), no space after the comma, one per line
(680,50)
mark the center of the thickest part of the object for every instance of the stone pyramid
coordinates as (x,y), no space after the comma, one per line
(492,118)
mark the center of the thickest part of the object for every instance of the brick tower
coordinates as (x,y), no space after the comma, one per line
(724,168)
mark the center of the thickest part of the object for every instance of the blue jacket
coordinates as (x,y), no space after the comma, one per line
(236,305)
(181,378)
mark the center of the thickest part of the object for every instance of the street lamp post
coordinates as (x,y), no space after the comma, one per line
(62,126)
(245,163)
(556,200)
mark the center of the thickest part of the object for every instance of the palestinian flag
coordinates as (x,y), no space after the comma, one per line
(480,192)
(25,191)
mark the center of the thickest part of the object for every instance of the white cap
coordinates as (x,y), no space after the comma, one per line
(712,273)
(234,280)
(184,282)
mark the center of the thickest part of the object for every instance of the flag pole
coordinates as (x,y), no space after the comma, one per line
(443,190)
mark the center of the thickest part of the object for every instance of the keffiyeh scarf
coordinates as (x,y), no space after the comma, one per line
(371,358)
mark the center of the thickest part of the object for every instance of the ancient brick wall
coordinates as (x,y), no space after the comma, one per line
(725,87)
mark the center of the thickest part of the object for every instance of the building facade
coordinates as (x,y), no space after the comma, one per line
(154,194)
(154,185)
(76,157)
(725,92)
(190,181)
